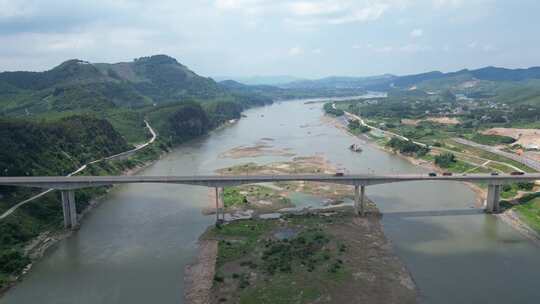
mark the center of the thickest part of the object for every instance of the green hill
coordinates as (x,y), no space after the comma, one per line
(77,85)
(52,122)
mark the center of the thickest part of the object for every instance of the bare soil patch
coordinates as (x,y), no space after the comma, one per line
(261,148)
(410,122)
(440,120)
(199,275)
(523,137)
(444,120)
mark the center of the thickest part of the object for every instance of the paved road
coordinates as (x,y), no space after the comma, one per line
(83,167)
(521,159)
(528,162)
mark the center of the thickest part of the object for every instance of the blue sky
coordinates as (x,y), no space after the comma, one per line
(274,37)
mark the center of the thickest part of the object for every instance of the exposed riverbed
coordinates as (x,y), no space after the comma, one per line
(134,247)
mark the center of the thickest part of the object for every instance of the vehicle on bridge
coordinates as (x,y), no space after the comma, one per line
(432,174)
(447,174)
(517,173)
(339,174)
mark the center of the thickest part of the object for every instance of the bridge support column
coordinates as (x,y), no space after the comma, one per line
(69,209)
(220,206)
(222,200)
(356,198)
(493,199)
(363,200)
(359,199)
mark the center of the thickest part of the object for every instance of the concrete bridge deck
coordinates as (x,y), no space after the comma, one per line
(77,182)
(67,185)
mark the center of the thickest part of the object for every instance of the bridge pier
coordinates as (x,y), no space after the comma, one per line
(69,209)
(359,199)
(493,199)
(363,200)
(220,206)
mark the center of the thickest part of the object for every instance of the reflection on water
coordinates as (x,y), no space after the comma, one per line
(133,248)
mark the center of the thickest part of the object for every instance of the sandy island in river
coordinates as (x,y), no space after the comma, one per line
(272,197)
(261,148)
(333,256)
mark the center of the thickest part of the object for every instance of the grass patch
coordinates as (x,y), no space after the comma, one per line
(279,291)
(452,145)
(233,197)
(255,265)
(491,140)
(239,238)
(529,210)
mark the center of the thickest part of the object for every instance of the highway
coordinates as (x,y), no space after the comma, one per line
(526,161)
(520,159)
(77,182)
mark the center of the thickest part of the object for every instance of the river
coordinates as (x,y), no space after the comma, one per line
(133,248)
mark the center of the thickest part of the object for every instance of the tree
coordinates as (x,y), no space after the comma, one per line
(354,124)
(445,160)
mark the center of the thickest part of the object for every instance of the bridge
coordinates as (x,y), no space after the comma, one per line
(68,184)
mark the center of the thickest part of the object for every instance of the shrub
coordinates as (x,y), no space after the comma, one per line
(445,160)
(329,109)
(12,261)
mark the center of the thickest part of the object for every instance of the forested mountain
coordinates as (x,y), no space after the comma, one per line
(162,78)
(434,78)
(261,80)
(53,122)
(343,83)
(55,148)
(77,85)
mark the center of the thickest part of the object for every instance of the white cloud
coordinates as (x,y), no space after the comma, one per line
(406,48)
(9,9)
(416,33)
(313,12)
(316,51)
(453,3)
(415,48)
(305,8)
(489,48)
(296,51)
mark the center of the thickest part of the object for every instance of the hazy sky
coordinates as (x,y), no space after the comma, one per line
(274,37)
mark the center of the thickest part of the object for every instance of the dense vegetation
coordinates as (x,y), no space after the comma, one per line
(55,121)
(258,260)
(329,109)
(45,148)
(355,127)
(76,85)
(445,160)
(407,147)
(55,148)
(282,255)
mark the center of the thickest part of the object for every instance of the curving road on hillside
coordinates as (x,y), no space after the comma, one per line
(83,167)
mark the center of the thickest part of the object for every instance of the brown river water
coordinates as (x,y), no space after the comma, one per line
(133,248)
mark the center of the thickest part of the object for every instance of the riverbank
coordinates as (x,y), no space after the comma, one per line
(38,247)
(508,216)
(328,257)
